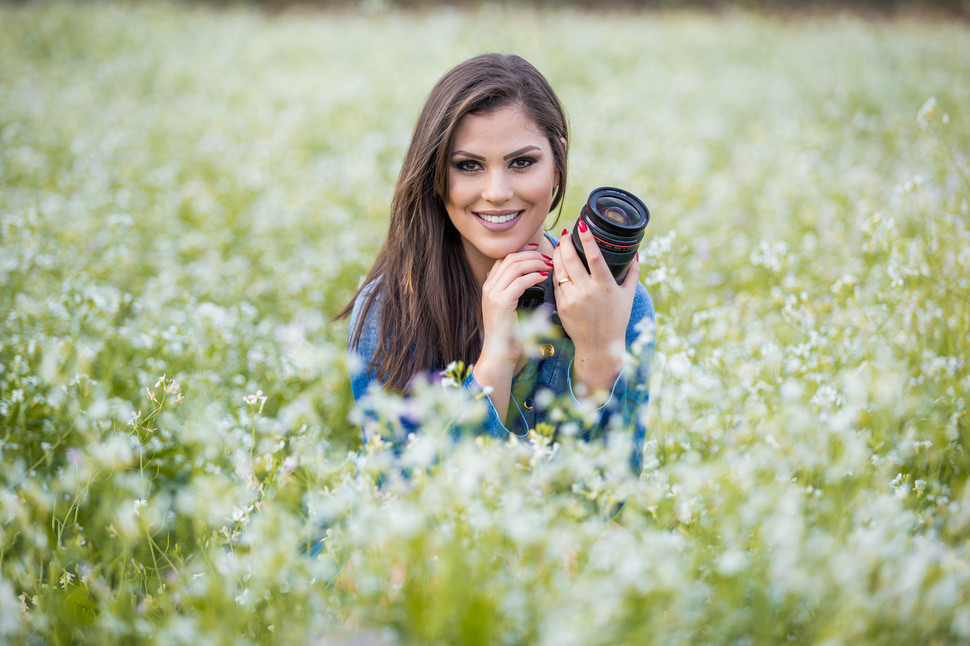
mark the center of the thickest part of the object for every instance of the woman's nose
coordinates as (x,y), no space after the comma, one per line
(497,188)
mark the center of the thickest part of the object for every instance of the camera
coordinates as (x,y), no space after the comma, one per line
(617,220)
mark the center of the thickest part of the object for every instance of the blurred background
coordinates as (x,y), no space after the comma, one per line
(190,191)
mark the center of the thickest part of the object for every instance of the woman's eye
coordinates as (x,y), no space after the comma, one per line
(522,162)
(467,165)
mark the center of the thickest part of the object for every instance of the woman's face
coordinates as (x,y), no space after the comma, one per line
(501,178)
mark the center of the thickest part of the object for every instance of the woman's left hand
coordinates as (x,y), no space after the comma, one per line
(594,310)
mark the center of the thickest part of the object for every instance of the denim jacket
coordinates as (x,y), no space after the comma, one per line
(542,396)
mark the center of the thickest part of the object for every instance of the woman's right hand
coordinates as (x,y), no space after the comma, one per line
(502,346)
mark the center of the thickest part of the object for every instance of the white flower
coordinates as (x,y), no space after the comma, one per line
(135,415)
(252,400)
(919,485)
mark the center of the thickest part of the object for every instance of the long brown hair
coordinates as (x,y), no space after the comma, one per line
(430,304)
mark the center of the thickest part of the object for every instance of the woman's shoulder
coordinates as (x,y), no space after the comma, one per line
(641,316)
(369,291)
(642,303)
(366,313)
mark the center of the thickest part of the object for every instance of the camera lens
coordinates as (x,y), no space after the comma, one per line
(616,211)
(616,216)
(617,220)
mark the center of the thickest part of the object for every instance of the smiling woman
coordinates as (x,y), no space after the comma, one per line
(486,165)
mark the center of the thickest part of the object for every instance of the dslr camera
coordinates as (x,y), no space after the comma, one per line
(617,219)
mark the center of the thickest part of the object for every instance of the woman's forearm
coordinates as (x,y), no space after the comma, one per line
(596,370)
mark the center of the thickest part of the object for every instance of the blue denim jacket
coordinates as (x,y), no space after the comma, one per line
(542,392)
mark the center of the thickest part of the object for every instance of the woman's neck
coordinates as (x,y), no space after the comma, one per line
(480,265)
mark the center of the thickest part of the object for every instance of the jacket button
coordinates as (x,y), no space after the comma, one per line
(546,350)
(527,404)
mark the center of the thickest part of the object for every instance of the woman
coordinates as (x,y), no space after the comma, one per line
(486,165)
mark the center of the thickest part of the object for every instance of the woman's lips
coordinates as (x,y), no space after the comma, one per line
(497,217)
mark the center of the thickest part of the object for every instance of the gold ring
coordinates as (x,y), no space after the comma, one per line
(564,280)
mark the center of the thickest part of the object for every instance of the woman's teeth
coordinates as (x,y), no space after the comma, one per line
(498,219)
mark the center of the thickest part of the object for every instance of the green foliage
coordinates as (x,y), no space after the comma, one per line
(187,195)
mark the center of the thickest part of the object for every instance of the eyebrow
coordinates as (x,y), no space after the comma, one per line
(520,151)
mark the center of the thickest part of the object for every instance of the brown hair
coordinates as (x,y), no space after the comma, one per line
(430,305)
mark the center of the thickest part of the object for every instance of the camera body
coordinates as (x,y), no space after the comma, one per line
(617,220)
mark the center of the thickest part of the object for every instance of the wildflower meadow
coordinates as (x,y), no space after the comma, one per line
(188,194)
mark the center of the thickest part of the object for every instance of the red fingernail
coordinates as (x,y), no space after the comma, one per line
(545,256)
(565,231)
(549,263)
(533,244)
(543,273)
(582,227)
(637,257)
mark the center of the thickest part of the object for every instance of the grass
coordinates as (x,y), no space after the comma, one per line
(192,192)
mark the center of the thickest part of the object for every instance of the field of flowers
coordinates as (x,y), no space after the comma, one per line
(187,195)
